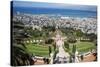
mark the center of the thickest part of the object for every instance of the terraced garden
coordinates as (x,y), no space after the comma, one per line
(38,50)
(81,47)
(85,46)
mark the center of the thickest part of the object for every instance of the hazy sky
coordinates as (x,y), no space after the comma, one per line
(54,5)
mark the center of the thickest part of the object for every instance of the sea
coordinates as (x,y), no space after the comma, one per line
(54,11)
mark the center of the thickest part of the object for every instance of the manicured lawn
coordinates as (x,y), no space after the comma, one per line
(38,50)
(85,46)
(82,47)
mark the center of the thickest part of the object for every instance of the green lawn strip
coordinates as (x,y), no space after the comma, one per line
(39,53)
(36,47)
(81,47)
(38,50)
(85,46)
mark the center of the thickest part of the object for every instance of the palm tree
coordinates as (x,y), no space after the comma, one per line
(19,55)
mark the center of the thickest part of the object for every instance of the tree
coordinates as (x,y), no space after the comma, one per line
(50,50)
(72,40)
(49,41)
(19,55)
(66,45)
(92,36)
(54,45)
(73,52)
(79,33)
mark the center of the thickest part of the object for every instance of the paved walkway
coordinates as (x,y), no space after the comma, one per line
(39,62)
(62,56)
(89,58)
